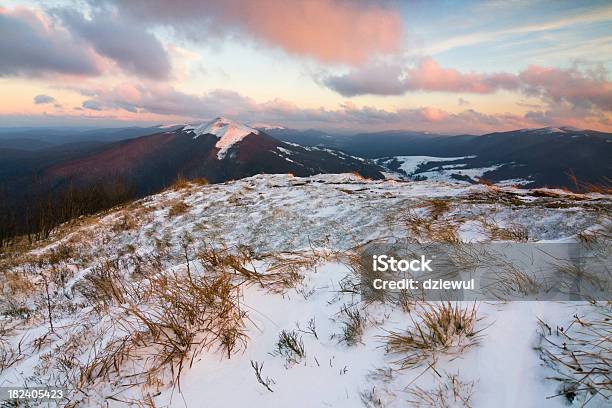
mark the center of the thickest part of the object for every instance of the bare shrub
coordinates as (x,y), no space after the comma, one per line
(439,328)
(449,393)
(310,328)
(8,355)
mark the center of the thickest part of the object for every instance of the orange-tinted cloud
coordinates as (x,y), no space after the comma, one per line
(430,76)
(331,31)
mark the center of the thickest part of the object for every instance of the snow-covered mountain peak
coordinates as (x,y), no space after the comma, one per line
(228,132)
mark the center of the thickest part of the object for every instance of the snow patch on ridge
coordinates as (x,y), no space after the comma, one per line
(228,132)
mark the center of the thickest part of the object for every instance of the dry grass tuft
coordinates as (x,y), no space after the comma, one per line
(580,354)
(8,355)
(353,325)
(438,207)
(433,226)
(282,269)
(290,346)
(451,392)
(511,232)
(439,328)
(168,318)
(177,208)
(125,223)
(182,182)
(370,398)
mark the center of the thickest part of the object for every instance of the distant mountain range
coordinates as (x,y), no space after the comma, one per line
(152,158)
(533,157)
(218,151)
(48,176)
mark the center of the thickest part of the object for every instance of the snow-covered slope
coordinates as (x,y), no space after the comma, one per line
(228,132)
(292,239)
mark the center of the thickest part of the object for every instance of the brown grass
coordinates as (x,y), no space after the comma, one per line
(177,208)
(182,182)
(580,355)
(125,223)
(434,226)
(450,392)
(511,232)
(439,328)
(170,318)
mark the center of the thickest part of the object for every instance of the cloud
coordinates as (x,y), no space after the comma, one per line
(43,99)
(590,16)
(427,76)
(376,80)
(430,76)
(32,45)
(330,31)
(579,87)
(587,88)
(131,46)
(164,101)
(463,102)
(92,105)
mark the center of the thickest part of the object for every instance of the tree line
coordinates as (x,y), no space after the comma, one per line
(38,212)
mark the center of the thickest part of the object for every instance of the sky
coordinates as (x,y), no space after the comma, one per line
(439,66)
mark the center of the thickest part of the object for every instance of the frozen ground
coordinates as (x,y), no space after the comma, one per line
(317,220)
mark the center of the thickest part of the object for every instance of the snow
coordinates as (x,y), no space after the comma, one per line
(513,182)
(411,163)
(286,151)
(228,132)
(445,172)
(330,213)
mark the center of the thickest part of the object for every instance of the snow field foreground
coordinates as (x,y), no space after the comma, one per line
(245,293)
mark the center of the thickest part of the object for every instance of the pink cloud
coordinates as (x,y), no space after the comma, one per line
(330,31)
(430,76)
(580,88)
(431,114)
(572,85)
(426,76)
